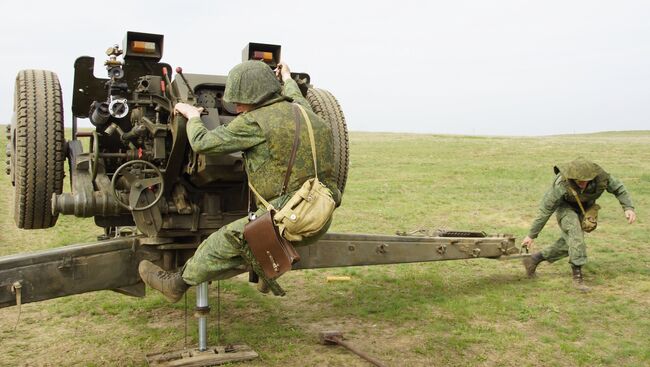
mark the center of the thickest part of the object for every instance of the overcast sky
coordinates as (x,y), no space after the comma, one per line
(462,67)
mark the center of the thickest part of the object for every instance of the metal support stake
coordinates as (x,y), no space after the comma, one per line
(202,310)
(203,356)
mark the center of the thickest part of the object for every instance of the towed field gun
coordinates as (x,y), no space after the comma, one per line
(140,170)
(142,183)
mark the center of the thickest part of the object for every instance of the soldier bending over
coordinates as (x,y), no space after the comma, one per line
(573,198)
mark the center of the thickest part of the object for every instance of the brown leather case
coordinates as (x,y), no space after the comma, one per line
(274,253)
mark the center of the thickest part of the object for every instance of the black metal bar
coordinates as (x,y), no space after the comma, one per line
(74,127)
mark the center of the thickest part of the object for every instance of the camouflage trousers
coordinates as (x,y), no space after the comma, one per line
(218,256)
(572,241)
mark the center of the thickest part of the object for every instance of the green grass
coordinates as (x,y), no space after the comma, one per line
(460,313)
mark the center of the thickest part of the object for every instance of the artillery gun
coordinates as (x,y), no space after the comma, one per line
(139,170)
(154,197)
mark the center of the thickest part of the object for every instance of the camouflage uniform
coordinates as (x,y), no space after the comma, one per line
(265,135)
(561,201)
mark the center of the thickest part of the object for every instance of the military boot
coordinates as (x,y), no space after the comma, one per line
(531,262)
(170,284)
(578,279)
(263,287)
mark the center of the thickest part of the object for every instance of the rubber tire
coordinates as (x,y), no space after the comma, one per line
(39,147)
(326,106)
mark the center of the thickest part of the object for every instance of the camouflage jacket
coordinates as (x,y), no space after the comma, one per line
(560,194)
(266,135)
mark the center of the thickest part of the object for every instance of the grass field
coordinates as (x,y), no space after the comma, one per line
(459,313)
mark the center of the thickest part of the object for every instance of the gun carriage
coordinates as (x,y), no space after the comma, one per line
(154,197)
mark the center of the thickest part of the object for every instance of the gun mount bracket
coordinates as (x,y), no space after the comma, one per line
(16,288)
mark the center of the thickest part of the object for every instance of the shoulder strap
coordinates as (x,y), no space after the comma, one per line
(575,195)
(292,158)
(294,149)
(311,137)
(266,204)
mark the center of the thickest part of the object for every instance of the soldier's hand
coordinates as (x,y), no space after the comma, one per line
(188,110)
(283,71)
(528,243)
(630,215)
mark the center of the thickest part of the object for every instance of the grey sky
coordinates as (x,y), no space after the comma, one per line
(466,67)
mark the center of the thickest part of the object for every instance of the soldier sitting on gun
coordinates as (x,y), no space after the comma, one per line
(264,131)
(572,197)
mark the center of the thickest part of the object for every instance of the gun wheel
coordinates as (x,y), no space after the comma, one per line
(38,147)
(326,106)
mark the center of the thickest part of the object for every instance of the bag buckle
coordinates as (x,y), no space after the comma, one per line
(275,265)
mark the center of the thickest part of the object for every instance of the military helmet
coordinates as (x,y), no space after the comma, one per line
(251,82)
(579,169)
